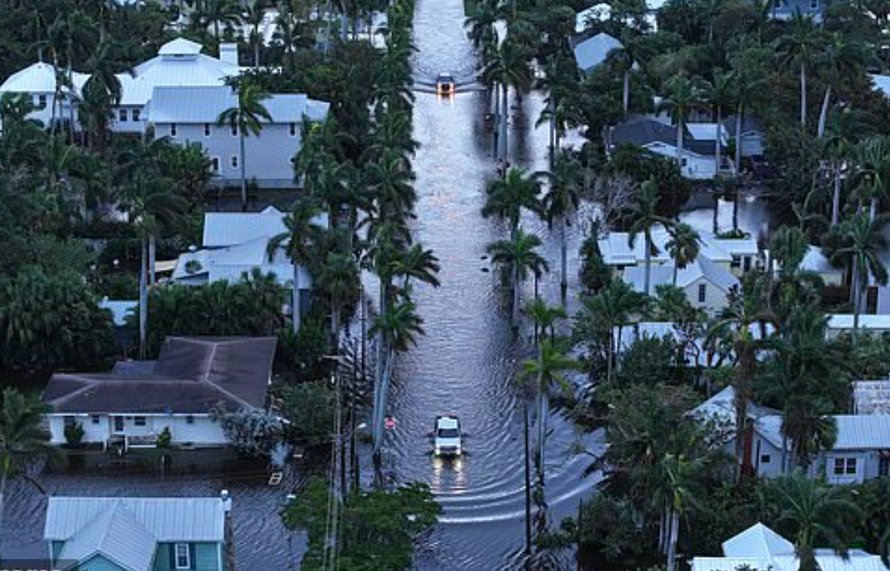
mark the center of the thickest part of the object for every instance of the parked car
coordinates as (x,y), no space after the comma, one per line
(445,84)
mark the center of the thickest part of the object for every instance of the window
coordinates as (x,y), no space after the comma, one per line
(234,130)
(736,262)
(884,466)
(702,292)
(746,263)
(844,466)
(182,556)
(136,114)
(41,101)
(118,424)
(122,115)
(95,419)
(139,421)
(765,458)
(292,129)
(189,419)
(172,129)
(683,162)
(814,5)
(214,164)
(234,161)
(70,421)
(206,129)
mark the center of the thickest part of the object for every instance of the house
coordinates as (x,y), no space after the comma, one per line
(759,548)
(592,52)
(697,158)
(861,451)
(785,9)
(818,263)
(737,255)
(138,400)
(237,243)
(180,94)
(188,115)
(871,397)
(752,137)
(839,323)
(705,283)
(137,534)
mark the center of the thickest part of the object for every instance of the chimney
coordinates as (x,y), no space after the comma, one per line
(229,53)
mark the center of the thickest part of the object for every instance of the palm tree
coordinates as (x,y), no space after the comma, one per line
(745,307)
(844,131)
(683,247)
(812,512)
(417,263)
(217,13)
(840,60)
(150,204)
(245,118)
(509,67)
(560,202)
(683,96)
(645,219)
(546,372)
(22,434)
(254,14)
(788,246)
(720,94)
(302,232)
(544,317)
(482,23)
(392,183)
(864,241)
(518,256)
(677,495)
(508,196)
(339,279)
(799,47)
(610,310)
(873,172)
(398,327)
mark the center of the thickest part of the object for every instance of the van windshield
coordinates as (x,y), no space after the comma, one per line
(448,433)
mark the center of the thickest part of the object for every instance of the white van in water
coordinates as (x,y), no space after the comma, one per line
(446,437)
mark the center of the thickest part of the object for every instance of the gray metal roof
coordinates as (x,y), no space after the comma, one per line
(594,50)
(166,519)
(646,131)
(115,534)
(191,376)
(204,104)
(230,228)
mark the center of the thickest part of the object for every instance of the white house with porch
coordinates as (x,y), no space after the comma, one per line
(137,401)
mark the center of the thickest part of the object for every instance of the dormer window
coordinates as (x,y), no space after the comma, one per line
(206,129)
(234,130)
(172,129)
(292,129)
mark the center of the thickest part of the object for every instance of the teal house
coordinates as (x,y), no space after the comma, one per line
(137,534)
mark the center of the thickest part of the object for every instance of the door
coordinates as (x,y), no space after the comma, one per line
(118,425)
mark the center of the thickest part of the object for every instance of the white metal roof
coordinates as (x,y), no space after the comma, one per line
(167,519)
(757,541)
(593,51)
(39,77)
(180,47)
(844,321)
(862,432)
(705,131)
(663,274)
(815,261)
(205,103)
(616,249)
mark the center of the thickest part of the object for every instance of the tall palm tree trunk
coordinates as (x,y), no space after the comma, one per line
(517,284)
(836,195)
(243,169)
(823,114)
(856,302)
(680,144)
(152,255)
(674,532)
(543,413)
(497,120)
(803,95)
(505,118)
(296,314)
(717,141)
(625,95)
(648,263)
(143,297)
(738,140)
(563,259)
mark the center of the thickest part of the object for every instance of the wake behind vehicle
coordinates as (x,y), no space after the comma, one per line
(446,436)
(445,84)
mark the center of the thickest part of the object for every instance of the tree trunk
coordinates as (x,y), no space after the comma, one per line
(505,119)
(625,95)
(735,206)
(803,95)
(564,259)
(823,115)
(648,262)
(738,140)
(610,350)
(243,170)
(543,412)
(680,144)
(143,297)
(152,255)
(256,54)
(553,144)
(676,271)
(517,284)
(715,224)
(856,293)
(528,482)
(497,120)
(674,531)
(3,479)
(836,195)
(295,299)
(717,141)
